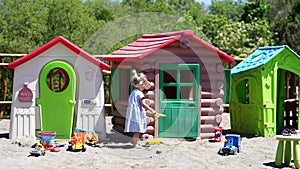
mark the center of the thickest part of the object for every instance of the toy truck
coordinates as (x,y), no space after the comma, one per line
(78,140)
(92,139)
(37,150)
(232,145)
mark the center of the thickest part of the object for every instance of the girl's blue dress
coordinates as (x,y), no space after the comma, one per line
(136,114)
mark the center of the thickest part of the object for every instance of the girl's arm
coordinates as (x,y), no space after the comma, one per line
(146,106)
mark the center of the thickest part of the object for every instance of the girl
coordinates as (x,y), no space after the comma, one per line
(136,114)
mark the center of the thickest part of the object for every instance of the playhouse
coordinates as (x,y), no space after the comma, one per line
(264,93)
(57,88)
(186,75)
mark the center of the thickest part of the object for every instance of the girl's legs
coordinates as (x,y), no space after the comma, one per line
(135,139)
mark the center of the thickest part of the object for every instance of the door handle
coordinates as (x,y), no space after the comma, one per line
(71,102)
(191,105)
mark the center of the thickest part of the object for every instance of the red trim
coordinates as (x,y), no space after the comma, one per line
(50,44)
(150,43)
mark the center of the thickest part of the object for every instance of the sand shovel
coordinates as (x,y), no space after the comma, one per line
(159,115)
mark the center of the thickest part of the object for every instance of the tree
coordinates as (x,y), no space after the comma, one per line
(100,9)
(70,19)
(22,25)
(238,39)
(284,19)
(255,10)
(229,8)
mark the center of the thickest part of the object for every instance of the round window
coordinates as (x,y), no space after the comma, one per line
(57,79)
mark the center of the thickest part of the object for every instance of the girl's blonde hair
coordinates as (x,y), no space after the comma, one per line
(138,79)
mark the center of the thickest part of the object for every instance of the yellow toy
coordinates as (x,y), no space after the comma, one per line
(153,141)
(77,141)
(153,113)
(37,150)
(92,139)
(158,115)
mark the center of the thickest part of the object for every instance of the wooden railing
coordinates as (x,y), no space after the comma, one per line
(6,81)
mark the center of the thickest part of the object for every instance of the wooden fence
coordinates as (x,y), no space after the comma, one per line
(6,81)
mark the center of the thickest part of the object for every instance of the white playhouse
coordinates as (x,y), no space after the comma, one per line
(57,88)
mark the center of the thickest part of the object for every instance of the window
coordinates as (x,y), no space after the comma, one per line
(243,91)
(57,80)
(177,82)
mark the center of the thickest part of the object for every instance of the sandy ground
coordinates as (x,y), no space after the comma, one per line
(117,152)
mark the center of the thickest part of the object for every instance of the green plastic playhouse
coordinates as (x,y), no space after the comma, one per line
(264,92)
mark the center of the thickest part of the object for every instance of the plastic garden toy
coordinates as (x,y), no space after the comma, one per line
(92,139)
(77,141)
(47,140)
(289,132)
(37,150)
(159,115)
(232,145)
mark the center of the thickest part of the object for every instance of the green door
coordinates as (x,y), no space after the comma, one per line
(179,100)
(57,98)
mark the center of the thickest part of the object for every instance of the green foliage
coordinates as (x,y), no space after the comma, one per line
(229,8)
(285,23)
(70,19)
(22,25)
(127,29)
(99,9)
(255,10)
(238,39)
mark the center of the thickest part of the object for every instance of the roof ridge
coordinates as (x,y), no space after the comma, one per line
(159,41)
(52,43)
(165,34)
(259,57)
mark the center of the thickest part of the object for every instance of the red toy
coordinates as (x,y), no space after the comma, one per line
(47,140)
(218,134)
(77,141)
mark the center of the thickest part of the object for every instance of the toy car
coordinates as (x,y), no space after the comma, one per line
(92,139)
(232,145)
(37,150)
(77,142)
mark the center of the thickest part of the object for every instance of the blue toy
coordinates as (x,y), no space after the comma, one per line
(232,145)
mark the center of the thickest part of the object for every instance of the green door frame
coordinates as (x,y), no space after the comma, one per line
(179,100)
(57,105)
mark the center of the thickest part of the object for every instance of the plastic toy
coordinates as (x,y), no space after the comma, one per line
(289,132)
(218,134)
(92,139)
(37,150)
(232,145)
(159,115)
(153,141)
(77,141)
(47,140)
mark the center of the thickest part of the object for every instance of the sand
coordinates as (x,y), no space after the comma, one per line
(117,152)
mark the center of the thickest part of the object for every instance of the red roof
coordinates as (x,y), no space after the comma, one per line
(150,43)
(65,42)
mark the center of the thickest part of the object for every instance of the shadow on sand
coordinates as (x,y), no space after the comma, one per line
(273,165)
(4,135)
